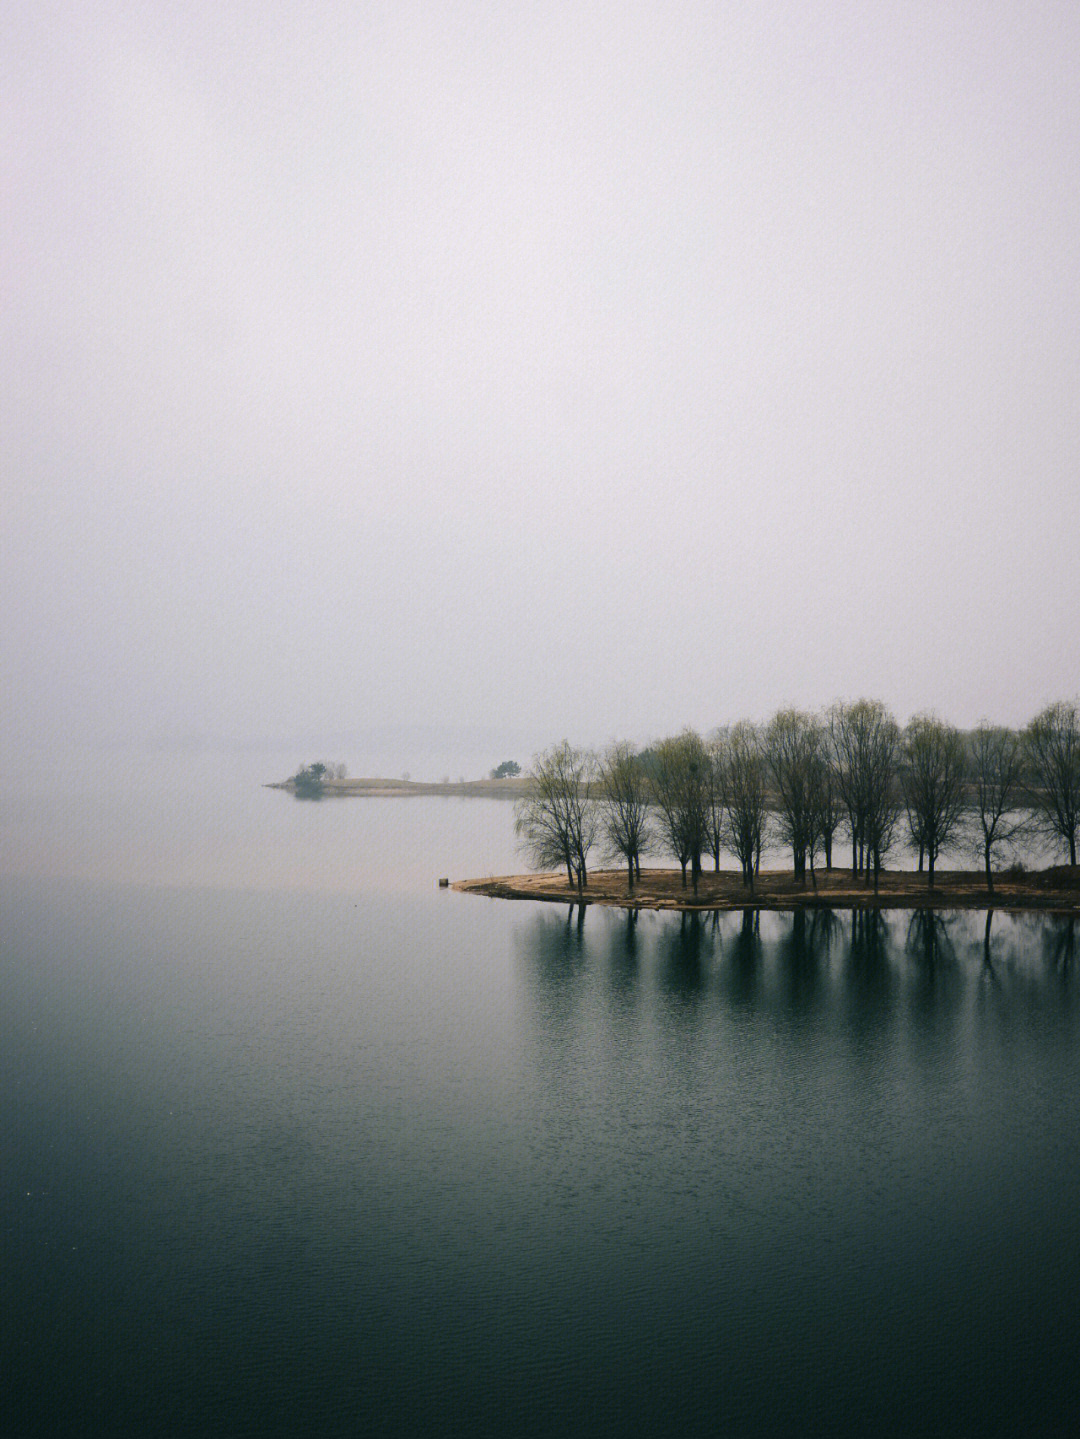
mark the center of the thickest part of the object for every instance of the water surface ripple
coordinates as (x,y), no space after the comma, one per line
(285,1161)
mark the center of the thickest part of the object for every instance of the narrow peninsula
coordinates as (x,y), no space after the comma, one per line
(360,787)
(1055,890)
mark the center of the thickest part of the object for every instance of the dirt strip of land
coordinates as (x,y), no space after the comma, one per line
(360,788)
(1056,890)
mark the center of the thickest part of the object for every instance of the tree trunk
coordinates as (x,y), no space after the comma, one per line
(930,869)
(989,871)
(683,863)
(630,872)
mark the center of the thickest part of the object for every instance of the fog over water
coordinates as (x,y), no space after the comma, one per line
(409,385)
(513,372)
(296,1142)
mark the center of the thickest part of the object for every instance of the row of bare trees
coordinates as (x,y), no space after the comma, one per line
(802,780)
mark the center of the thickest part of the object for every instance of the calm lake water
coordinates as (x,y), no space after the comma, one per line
(296,1144)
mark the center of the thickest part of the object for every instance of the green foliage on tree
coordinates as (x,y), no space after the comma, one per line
(309,779)
(509,769)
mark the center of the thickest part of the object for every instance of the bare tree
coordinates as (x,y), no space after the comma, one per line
(557,820)
(1053,745)
(624,807)
(825,808)
(882,798)
(744,787)
(716,801)
(997,763)
(681,784)
(863,742)
(792,744)
(933,784)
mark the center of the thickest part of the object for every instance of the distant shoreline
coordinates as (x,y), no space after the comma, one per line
(372,788)
(1055,890)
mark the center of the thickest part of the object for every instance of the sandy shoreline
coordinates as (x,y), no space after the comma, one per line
(1054,890)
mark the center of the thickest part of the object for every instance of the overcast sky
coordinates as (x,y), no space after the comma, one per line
(585,369)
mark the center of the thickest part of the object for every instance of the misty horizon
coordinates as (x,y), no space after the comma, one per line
(535,374)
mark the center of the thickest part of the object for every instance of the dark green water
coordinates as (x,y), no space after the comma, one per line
(371,1158)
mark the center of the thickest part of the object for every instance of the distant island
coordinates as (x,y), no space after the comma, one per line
(1055,890)
(331,787)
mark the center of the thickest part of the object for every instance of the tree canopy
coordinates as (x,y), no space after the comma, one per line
(800,780)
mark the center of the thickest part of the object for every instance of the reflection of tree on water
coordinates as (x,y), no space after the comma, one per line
(824,928)
(1059,941)
(624,951)
(554,949)
(1019,954)
(684,952)
(626,934)
(988,964)
(937,994)
(866,972)
(928,937)
(744,970)
(800,960)
(799,963)
(869,938)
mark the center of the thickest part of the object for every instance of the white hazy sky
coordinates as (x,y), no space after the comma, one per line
(587,369)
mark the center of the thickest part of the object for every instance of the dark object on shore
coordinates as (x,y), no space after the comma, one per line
(444,884)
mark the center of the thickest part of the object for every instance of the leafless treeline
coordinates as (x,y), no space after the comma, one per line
(806,781)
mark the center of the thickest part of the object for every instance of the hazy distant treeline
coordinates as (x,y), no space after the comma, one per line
(849,774)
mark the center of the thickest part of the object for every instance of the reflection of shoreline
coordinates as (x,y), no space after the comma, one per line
(1054,890)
